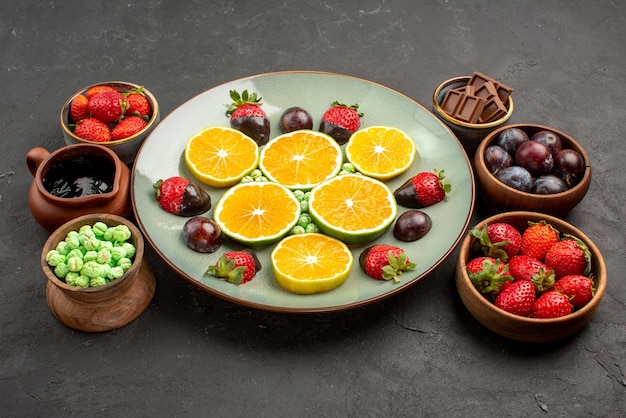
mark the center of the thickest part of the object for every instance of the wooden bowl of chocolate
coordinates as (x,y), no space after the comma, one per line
(489,306)
(472,107)
(531,167)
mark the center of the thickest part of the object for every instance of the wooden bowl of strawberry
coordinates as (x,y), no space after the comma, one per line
(530,276)
(115,114)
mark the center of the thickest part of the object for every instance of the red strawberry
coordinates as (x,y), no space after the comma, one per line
(488,274)
(106,106)
(537,240)
(551,304)
(247,116)
(236,267)
(422,190)
(384,262)
(341,121)
(179,196)
(127,127)
(517,298)
(136,104)
(93,129)
(523,267)
(570,256)
(579,289)
(92,91)
(79,108)
(498,240)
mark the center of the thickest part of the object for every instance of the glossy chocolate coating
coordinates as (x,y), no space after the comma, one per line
(256,127)
(195,201)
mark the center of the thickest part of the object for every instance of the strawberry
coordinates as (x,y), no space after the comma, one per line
(551,304)
(247,116)
(92,129)
(579,289)
(179,196)
(499,240)
(136,104)
(92,91)
(488,274)
(106,106)
(127,127)
(236,267)
(79,108)
(517,298)
(384,262)
(341,121)
(422,190)
(569,256)
(537,240)
(523,267)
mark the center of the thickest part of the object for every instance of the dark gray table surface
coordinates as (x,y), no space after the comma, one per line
(416,354)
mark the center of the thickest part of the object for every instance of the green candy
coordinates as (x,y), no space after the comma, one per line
(97,281)
(82,281)
(99,228)
(121,233)
(61,270)
(75,264)
(54,257)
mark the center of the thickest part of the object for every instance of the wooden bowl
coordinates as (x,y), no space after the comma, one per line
(126,148)
(517,327)
(468,134)
(499,197)
(102,308)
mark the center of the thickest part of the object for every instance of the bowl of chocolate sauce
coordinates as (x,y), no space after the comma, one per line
(76,180)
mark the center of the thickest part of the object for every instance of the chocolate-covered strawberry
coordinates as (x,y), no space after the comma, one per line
(422,190)
(247,116)
(179,196)
(384,262)
(340,121)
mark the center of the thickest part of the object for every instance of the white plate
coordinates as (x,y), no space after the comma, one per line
(161,156)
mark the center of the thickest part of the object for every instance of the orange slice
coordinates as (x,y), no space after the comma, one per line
(258,213)
(311,263)
(353,208)
(381,152)
(301,159)
(220,157)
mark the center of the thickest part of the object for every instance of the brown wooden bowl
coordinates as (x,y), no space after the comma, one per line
(517,327)
(106,307)
(126,148)
(499,197)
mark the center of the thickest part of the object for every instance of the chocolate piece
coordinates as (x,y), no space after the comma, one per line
(478,79)
(494,109)
(487,91)
(470,109)
(503,92)
(451,101)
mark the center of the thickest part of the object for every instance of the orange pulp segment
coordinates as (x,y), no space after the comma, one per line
(220,157)
(381,152)
(353,208)
(311,263)
(301,159)
(257,213)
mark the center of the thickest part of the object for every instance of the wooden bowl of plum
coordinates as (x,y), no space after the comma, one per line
(531,167)
(494,281)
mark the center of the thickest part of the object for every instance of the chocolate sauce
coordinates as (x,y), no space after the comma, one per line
(80,176)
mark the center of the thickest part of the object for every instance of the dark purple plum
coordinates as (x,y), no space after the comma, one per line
(202,234)
(412,225)
(569,165)
(496,158)
(516,177)
(294,119)
(549,139)
(510,139)
(548,184)
(534,157)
